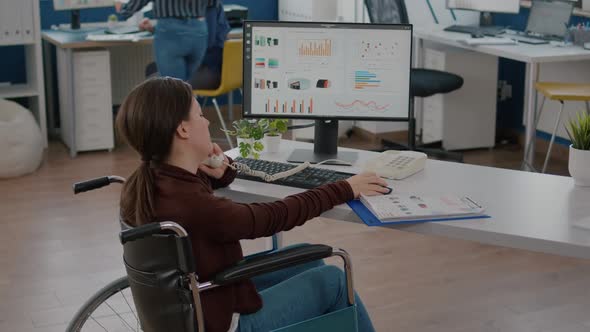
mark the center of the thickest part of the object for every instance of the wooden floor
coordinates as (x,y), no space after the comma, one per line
(56,249)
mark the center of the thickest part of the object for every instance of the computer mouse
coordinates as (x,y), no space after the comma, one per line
(389,190)
(477,35)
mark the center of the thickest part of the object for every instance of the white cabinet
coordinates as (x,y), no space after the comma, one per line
(464,118)
(20,25)
(86,111)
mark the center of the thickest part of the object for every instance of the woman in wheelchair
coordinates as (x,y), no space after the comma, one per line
(163,122)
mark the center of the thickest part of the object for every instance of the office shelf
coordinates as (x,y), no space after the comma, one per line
(18,91)
(17,43)
(23,16)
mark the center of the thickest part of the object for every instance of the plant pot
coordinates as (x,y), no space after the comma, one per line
(272,144)
(579,166)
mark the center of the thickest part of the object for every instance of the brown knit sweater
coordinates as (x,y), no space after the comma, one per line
(216,225)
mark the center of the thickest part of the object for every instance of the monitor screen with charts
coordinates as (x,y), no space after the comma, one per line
(327,70)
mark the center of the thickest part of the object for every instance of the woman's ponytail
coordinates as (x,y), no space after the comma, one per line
(147,120)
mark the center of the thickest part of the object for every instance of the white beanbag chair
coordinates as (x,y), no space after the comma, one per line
(21,144)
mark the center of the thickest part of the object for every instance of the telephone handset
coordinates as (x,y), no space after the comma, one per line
(215,161)
(397,165)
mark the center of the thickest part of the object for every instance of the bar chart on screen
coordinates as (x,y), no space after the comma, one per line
(314,47)
(299,105)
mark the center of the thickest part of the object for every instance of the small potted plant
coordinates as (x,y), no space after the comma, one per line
(579,159)
(248,134)
(274,130)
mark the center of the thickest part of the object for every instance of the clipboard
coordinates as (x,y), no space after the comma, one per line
(371,220)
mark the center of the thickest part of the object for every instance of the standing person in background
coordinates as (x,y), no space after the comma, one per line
(181,39)
(208,76)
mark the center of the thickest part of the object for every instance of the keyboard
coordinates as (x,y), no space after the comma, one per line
(114,37)
(528,40)
(471,29)
(489,41)
(309,178)
(123,30)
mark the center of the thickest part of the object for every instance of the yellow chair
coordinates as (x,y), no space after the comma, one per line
(561,92)
(231,78)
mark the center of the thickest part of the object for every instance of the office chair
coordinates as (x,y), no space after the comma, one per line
(561,92)
(424,82)
(166,291)
(231,78)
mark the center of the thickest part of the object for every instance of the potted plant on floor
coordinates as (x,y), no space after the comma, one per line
(579,158)
(248,134)
(274,130)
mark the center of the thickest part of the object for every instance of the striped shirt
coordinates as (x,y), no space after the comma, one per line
(169,8)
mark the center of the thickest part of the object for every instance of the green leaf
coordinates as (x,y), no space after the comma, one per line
(281,126)
(245,149)
(258,146)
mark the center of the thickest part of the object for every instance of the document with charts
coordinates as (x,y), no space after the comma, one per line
(407,207)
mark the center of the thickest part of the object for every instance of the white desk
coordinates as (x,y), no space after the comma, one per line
(530,211)
(70,42)
(532,55)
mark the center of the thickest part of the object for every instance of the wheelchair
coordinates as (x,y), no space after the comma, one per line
(161,291)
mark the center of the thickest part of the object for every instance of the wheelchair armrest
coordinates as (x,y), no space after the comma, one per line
(251,267)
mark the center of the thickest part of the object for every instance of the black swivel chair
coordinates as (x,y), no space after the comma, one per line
(424,82)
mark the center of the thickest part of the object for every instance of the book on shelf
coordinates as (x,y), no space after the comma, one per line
(398,208)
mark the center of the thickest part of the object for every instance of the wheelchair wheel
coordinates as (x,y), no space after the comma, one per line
(109,309)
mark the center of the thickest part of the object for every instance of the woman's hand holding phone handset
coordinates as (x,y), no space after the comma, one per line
(216,165)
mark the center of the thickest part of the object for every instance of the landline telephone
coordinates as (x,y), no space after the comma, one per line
(396,165)
(390,164)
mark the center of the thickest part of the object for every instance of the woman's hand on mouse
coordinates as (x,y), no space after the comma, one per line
(368,184)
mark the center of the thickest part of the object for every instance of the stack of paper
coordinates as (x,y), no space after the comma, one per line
(405,207)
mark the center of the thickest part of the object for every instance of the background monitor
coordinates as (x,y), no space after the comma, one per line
(493,6)
(76,5)
(81,4)
(327,72)
(549,18)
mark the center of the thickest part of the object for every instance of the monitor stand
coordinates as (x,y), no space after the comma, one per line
(75,26)
(75,19)
(325,147)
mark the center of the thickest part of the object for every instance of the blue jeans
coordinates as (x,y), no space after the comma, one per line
(300,293)
(179,46)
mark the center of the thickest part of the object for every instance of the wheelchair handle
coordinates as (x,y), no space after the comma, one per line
(142,231)
(88,185)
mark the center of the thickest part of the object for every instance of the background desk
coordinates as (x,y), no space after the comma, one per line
(531,211)
(124,67)
(532,55)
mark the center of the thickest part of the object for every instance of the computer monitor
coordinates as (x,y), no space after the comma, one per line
(76,5)
(493,6)
(327,72)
